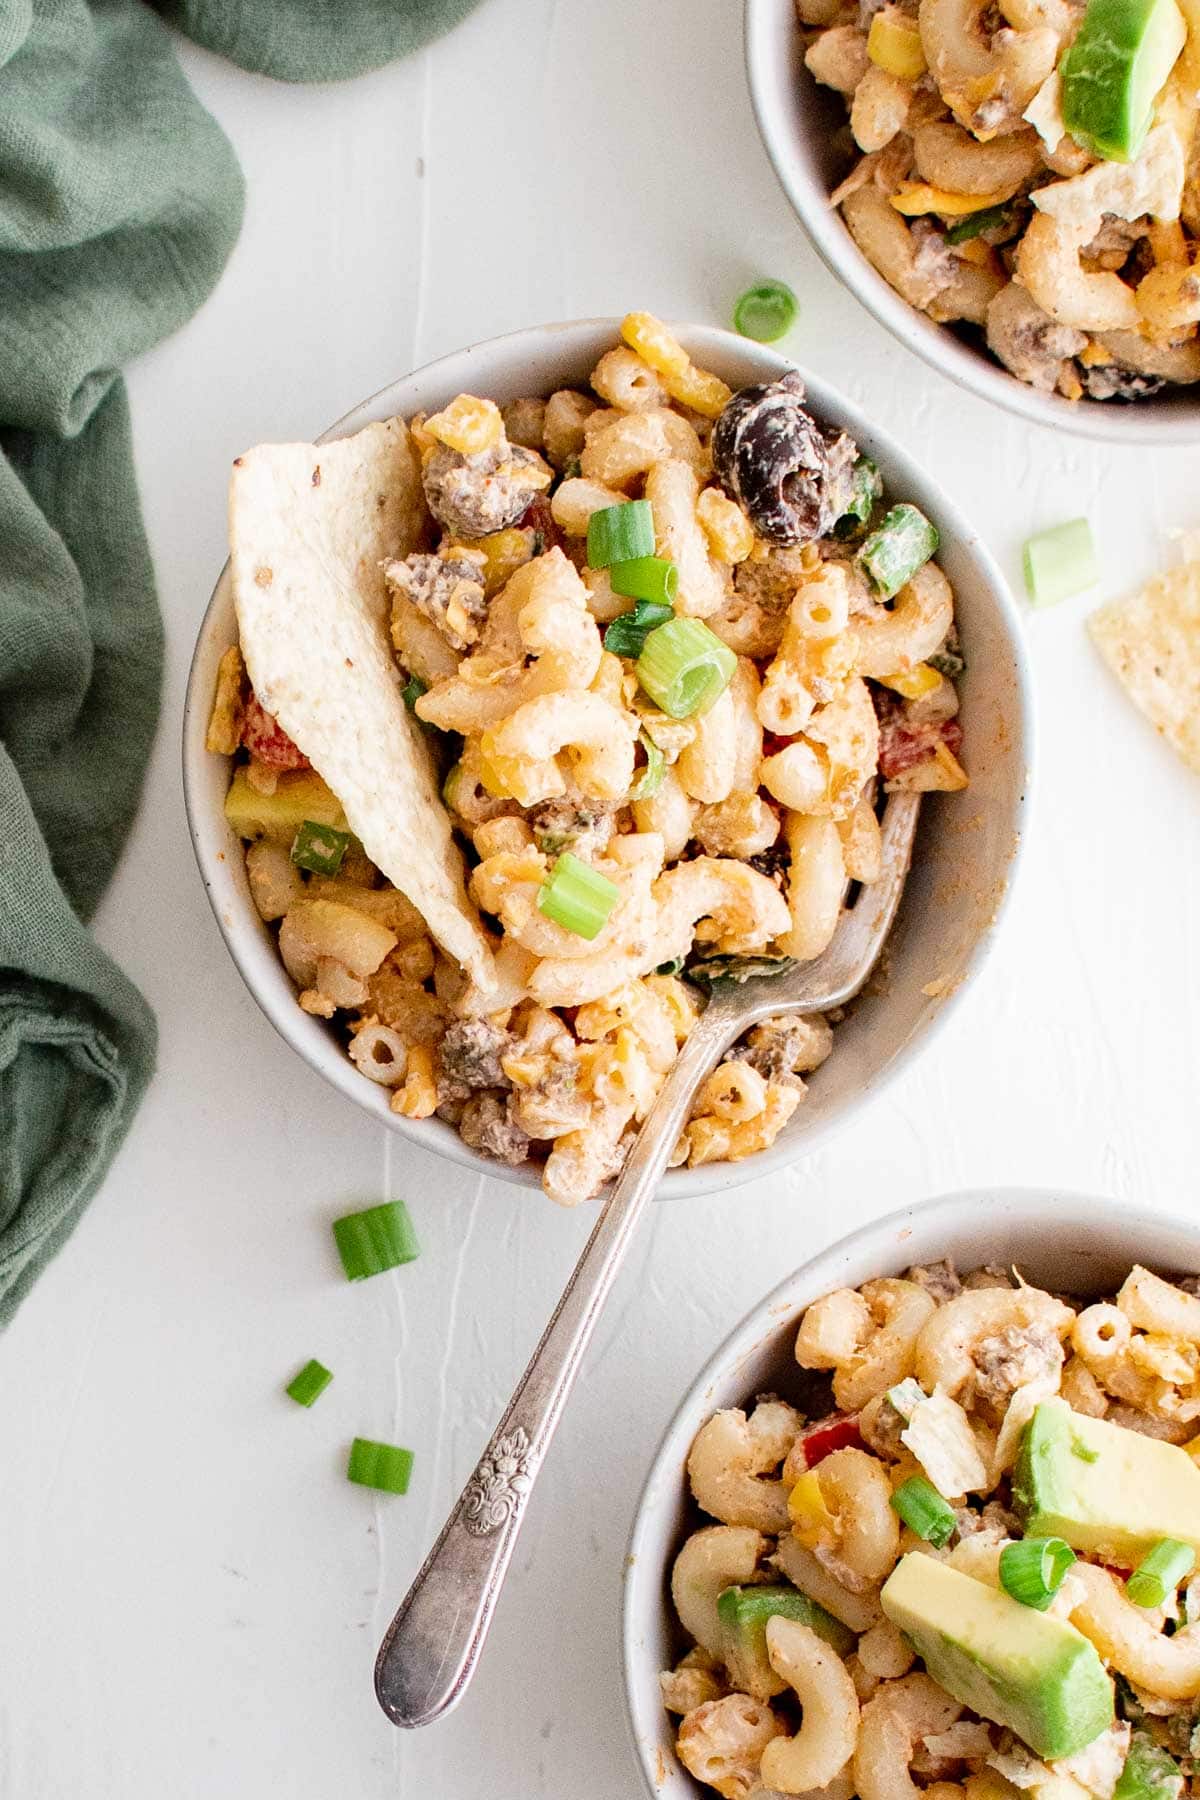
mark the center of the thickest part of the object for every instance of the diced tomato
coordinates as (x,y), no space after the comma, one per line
(538,517)
(267,741)
(903,742)
(838,1432)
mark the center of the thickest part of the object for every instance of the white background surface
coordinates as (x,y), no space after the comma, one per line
(191,1594)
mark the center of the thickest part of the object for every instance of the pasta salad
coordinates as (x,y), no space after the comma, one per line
(654,651)
(1029,169)
(966,1564)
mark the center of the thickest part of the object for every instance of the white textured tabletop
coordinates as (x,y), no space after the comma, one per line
(192,1594)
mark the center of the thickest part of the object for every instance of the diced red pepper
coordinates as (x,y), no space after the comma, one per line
(838,1432)
(538,517)
(904,742)
(267,741)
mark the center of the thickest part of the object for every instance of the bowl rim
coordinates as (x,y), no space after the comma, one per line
(1023,1209)
(936,344)
(339,1071)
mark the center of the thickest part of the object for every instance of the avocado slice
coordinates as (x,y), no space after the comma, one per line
(744,1611)
(1114,70)
(1109,1492)
(1149,1773)
(300,795)
(1024,1669)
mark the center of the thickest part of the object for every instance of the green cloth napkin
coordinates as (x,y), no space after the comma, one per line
(120,200)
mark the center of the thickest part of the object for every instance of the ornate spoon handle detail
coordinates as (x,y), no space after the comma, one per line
(434,1641)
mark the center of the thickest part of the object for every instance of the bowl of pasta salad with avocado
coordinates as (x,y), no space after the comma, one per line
(1013,189)
(564,678)
(929,1521)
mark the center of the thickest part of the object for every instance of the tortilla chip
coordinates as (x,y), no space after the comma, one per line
(309,527)
(1151,642)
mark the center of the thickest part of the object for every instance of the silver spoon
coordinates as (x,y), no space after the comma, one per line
(434,1642)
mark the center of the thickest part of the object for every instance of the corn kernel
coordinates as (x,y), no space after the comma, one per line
(417,1098)
(915,197)
(979,252)
(504,553)
(728,530)
(468,425)
(703,392)
(956,775)
(654,344)
(918,681)
(894,44)
(812,1521)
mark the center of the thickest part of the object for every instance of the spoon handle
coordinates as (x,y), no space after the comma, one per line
(433,1644)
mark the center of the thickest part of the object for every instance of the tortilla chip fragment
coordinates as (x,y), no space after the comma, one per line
(309,528)
(1151,642)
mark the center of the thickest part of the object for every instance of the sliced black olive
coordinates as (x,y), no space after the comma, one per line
(792,478)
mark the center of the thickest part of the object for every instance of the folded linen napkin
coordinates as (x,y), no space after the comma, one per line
(120,200)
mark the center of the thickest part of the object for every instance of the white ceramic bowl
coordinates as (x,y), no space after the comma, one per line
(798,119)
(1072,1243)
(968,844)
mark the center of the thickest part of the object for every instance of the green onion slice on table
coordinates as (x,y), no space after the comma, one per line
(1060,562)
(1032,1570)
(765,311)
(387,1467)
(310,1383)
(377,1239)
(577,897)
(684,667)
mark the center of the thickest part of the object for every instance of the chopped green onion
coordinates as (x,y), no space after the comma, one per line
(538,544)
(906,1396)
(412,692)
(902,544)
(651,777)
(920,1505)
(765,311)
(684,667)
(319,848)
(670,968)
(1032,1570)
(646,578)
(1060,562)
(746,1610)
(379,1238)
(572,469)
(1149,1773)
(618,534)
(973,225)
(1160,1572)
(627,634)
(948,661)
(309,1384)
(384,1466)
(577,897)
(866,486)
